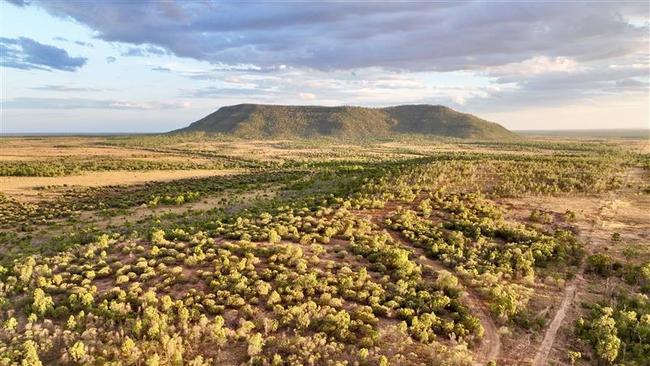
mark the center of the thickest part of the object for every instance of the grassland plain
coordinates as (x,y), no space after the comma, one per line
(402,250)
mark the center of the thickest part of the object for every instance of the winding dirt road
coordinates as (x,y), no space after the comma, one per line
(490,346)
(491,343)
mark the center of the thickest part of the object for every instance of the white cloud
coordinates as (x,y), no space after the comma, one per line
(536,65)
(83,103)
(459,99)
(307,96)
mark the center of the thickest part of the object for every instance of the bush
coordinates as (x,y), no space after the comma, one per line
(78,351)
(30,354)
(42,303)
(601,264)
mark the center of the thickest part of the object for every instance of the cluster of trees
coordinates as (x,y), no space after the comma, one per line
(74,200)
(181,296)
(620,334)
(71,166)
(471,237)
(362,183)
(14,213)
(600,147)
(556,176)
(634,274)
(174,200)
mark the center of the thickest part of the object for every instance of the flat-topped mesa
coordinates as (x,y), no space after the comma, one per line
(282,121)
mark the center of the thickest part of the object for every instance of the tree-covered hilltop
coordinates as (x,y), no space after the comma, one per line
(262,121)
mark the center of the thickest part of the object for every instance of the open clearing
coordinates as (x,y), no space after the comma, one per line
(25,188)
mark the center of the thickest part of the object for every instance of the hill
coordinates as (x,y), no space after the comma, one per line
(264,121)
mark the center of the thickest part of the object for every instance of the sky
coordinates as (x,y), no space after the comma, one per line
(153,66)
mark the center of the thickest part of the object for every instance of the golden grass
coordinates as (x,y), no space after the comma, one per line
(23,188)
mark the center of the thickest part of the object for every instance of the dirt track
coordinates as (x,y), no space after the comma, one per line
(569,295)
(570,291)
(491,344)
(558,319)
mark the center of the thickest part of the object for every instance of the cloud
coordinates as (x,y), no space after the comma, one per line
(19,2)
(145,51)
(219,92)
(406,36)
(82,103)
(80,43)
(85,44)
(110,59)
(594,79)
(371,87)
(307,96)
(536,65)
(27,54)
(63,88)
(213,72)
(554,89)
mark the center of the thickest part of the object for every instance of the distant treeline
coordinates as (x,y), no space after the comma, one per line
(624,133)
(63,167)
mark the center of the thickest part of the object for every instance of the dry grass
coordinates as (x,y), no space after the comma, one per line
(37,149)
(599,216)
(29,149)
(24,188)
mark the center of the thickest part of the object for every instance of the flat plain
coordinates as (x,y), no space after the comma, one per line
(197,249)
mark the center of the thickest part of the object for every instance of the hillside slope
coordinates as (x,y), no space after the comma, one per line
(264,121)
